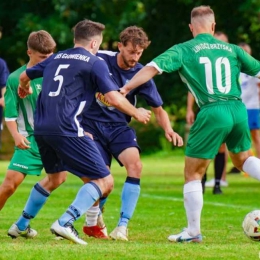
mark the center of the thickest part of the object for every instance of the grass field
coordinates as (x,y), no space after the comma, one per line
(159,213)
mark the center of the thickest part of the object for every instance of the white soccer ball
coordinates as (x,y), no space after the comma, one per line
(251,226)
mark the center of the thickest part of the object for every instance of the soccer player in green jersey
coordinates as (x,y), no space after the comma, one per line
(220,160)
(26,159)
(210,68)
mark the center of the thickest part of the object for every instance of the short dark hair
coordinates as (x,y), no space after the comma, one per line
(136,36)
(86,29)
(41,41)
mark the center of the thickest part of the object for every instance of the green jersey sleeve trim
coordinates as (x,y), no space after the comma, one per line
(153,64)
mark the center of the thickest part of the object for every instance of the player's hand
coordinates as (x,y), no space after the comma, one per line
(174,138)
(21,142)
(123,91)
(143,115)
(89,135)
(22,93)
(190,117)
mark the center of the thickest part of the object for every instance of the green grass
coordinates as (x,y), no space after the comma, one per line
(159,213)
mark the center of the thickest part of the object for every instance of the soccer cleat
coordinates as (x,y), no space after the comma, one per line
(223,183)
(95,231)
(15,232)
(234,170)
(211,183)
(101,224)
(119,233)
(185,237)
(67,232)
(217,190)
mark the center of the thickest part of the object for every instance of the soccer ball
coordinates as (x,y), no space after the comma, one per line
(251,225)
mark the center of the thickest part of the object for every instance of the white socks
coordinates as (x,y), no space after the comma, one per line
(193,203)
(92,216)
(252,167)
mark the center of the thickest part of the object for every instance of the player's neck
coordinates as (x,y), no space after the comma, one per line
(30,64)
(87,48)
(120,62)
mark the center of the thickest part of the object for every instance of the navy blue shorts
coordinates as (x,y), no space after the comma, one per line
(111,138)
(78,155)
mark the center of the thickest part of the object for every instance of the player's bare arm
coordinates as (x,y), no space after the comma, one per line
(117,100)
(24,88)
(163,120)
(190,116)
(142,76)
(19,140)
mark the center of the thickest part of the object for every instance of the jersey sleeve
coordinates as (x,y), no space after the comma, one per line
(150,94)
(249,65)
(169,61)
(102,78)
(37,70)
(11,99)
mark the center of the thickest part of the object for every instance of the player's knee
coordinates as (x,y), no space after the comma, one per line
(108,185)
(9,187)
(135,169)
(62,178)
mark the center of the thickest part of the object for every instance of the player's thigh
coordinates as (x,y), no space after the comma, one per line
(238,159)
(208,132)
(239,139)
(105,153)
(52,163)
(195,168)
(119,145)
(13,179)
(130,158)
(80,156)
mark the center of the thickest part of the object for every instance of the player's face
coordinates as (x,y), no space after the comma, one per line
(221,37)
(247,49)
(36,57)
(129,55)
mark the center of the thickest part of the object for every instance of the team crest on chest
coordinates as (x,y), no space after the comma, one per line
(100,98)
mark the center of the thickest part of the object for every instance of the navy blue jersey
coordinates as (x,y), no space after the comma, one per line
(70,80)
(4,73)
(101,111)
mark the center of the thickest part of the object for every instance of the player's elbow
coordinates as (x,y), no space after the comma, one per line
(113,98)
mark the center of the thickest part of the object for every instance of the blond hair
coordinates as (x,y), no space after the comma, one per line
(202,15)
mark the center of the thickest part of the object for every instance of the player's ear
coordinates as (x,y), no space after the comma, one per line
(119,45)
(213,27)
(29,52)
(191,29)
(94,43)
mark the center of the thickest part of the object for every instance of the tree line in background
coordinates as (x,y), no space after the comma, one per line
(165,21)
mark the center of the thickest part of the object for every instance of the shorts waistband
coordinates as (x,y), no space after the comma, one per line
(222,102)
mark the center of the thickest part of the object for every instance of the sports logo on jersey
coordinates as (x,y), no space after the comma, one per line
(38,86)
(102,101)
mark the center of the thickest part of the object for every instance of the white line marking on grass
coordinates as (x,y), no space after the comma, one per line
(205,202)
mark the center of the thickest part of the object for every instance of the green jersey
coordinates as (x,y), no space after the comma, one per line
(209,67)
(18,109)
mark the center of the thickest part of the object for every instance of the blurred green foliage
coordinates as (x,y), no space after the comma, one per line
(166,23)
